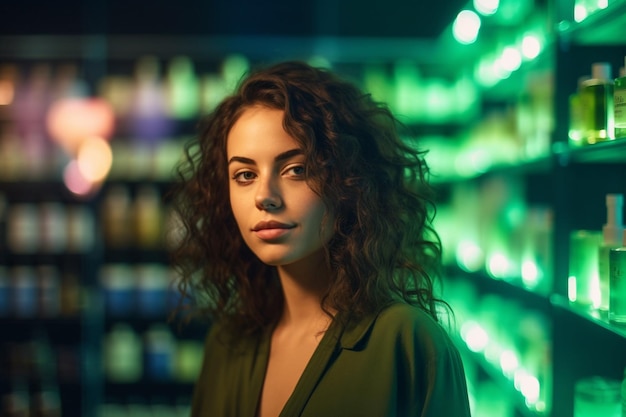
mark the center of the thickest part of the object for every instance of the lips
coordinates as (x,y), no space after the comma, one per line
(271,230)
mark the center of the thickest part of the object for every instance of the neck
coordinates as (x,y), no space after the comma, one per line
(304,285)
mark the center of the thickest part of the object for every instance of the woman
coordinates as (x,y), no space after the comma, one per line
(308,244)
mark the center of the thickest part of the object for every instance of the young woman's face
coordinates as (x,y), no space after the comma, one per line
(279,216)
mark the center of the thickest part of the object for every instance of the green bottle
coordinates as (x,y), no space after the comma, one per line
(597,102)
(619,106)
(577,128)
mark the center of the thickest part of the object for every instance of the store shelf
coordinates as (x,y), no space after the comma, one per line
(39,190)
(527,76)
(602,152)
(149,388)
(602,27)
(571,182)
(591,315)
(137,256)
(529,166)
(612,152)
(510,288)
(507,384)
(539,165)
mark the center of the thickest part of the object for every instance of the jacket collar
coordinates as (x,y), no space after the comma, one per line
(354,331)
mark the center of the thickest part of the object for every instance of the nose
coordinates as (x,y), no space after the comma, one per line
(268,195)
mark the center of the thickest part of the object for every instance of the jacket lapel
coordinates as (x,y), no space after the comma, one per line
(339,336)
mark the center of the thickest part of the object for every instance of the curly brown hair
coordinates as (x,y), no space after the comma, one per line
(383,247)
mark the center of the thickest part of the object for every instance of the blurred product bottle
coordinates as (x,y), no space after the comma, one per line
(49,291)
(70,296)
(577,119)
(624,394)
(536,261)
(584,285)
(617,299)
(119,290)
(9,76)
(188,360)
(492,400)
(5,292)
(159,353)
(123,355)
(46,402)
(3,222)
(182,88)
(23,228)
(152,291)
(53,224)
(597,103)
(45,397)
(16,403)
(116,219)
(148,118)
(612,232)
(25,291)
(148,218)
(30,106)
(81,229)
(619,103)
(597,396)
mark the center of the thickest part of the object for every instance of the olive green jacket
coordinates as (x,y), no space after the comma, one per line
(398,362)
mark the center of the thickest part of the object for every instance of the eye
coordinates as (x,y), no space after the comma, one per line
(244,177)
(295,171)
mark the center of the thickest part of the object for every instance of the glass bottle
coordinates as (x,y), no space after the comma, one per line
(597,102)
(577,127)
(617,297)
(624,394)
(597,396)
(619,103)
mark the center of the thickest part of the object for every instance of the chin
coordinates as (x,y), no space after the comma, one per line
(278,258)
(273,261)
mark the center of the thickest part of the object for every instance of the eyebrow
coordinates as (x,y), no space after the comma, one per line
(280,157)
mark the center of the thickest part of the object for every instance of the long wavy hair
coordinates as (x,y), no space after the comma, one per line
(383,248)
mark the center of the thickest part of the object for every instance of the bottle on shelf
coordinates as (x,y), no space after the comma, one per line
(597,102)
(5,292)
(147,218)
(576,115)
(584,283)
(612,233)
(624,394)
(123,354)
(159,352)
(597,396)
(619,103)
(617,277)
(16,402)
(116,217)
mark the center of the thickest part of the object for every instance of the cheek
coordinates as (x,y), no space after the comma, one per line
(319,224)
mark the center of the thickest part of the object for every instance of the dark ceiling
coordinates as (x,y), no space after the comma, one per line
(351,18)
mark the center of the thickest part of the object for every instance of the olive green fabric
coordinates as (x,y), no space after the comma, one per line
(399,362)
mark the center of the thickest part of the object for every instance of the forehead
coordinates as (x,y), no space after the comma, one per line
(259,129)
(258,111)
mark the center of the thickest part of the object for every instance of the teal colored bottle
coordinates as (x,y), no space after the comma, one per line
(624,394)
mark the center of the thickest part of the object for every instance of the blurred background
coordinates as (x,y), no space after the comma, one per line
(520,104)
